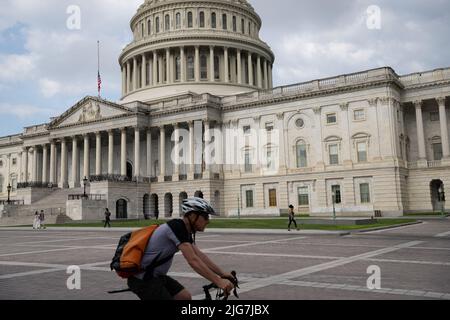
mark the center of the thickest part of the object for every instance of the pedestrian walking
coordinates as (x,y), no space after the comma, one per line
(36,221)
(292,218)
(41,220)
(107,218)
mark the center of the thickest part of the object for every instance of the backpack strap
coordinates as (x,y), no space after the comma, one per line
(155,263)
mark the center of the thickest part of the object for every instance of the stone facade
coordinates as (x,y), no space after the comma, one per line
(199,116)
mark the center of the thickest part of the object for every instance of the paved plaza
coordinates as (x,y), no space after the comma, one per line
(414,263)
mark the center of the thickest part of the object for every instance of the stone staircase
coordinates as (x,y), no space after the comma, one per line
(54,206)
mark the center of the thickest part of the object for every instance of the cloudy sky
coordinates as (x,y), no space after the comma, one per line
(45,67)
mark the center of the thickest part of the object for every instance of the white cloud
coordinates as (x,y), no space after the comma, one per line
(16,67)
(23,111)
(49,87)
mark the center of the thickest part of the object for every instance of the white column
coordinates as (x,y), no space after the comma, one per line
(52,162)
(144,71)
(250,70)
(226,66)
(258,71)
(168,66)
(270,76)
(137,152)
(63,164)
(176,150)
(98,153)
(239,67)
(135,74)
(420,132)
(183,65)
(110,152)
(44,163)
(197,64)
(155,68)
(128,85)
(75,165)
(266,80)
(25,164)
(444,128)
(86,171)
(34,165)
(124,80)
(162,152)
(123,152)
(191,151)
(149,152)
(206,157)
(211,64)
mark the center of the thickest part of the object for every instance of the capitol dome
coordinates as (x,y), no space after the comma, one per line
(202,46)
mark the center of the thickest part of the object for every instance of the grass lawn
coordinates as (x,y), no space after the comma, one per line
(274,223)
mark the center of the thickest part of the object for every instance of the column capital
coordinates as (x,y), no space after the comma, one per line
(344,106)
(372,102)
(317,110)
(137,129)
(162,127)
(110,131)
(440,101)
(44,145)
(418,104)
(97,133)
(123,129)
(85,135)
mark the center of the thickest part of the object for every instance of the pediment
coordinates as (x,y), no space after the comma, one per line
(89,110)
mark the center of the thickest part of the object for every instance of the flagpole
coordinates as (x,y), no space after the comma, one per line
(98,65)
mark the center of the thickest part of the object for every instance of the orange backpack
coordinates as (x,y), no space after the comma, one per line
(130,251)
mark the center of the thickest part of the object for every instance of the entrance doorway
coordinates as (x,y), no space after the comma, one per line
(437,195)
(121,209)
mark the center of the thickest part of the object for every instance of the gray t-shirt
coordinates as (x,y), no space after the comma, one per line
(164,242)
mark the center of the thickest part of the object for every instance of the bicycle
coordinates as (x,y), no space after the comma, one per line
(220,295)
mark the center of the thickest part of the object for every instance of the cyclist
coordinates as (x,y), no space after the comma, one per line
(177,235)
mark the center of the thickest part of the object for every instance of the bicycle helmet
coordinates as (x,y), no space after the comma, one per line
(197,205)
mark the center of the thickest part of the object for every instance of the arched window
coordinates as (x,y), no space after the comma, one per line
(202,19)
(234,24)
(167,23)
(213,20)
(142,30)
(203,67)
(190,67)
(178,20)
(249,27)
(177,68)
(216,68)
(243,26)
(224,22)
(301,154)
(149,27)
(190,20)
(157,24)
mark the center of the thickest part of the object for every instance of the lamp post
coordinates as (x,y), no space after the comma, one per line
(442,199)
(239,208)
(9,191)
(85,181)
(333,196)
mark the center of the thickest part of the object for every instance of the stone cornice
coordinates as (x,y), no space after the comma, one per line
(300,96)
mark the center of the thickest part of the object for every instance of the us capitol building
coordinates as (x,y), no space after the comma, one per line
(199,116)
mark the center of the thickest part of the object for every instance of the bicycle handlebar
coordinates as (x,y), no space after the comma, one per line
(220,294)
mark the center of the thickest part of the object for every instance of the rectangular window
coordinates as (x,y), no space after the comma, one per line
(249,198)
(302,161)
(272,197)
(248,165)
(336,191)
(242,26)
(331,118)
(362,151)
(334,155)
(434,116)
(364,192)
(359,115)
(437,151)
(224,22)
(303,196)
(234,24)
